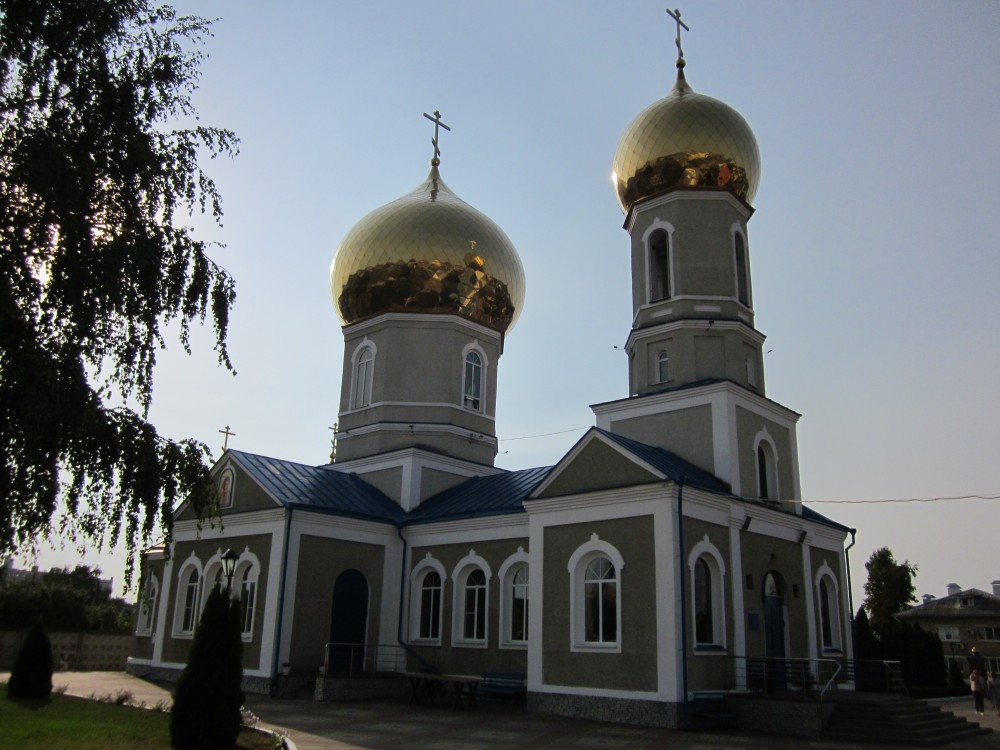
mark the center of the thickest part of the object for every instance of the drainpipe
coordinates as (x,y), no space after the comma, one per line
(427,666)
(680,557)
(850,594)
(281,604)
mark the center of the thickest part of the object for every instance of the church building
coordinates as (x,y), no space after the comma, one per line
(667,548)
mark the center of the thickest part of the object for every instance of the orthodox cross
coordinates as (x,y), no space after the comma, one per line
(225,441)
(333,442)
(676,15)
(436,119)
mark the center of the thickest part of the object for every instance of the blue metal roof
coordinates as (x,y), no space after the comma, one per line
(670,464)
(810,515)
(318,488)
(495,495)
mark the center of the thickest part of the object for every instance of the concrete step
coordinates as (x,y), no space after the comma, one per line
(899,721)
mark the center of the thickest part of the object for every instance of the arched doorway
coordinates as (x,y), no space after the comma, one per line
(774,628)
(348,622)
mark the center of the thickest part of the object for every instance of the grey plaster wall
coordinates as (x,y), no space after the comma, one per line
(761,554)
(457,659)
(686,432)
(748,424)
(635,667)
(598,467)
(176,649)
(247,495)
(321,562)
(388,481)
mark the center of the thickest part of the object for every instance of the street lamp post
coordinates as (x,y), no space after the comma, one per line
(229,560)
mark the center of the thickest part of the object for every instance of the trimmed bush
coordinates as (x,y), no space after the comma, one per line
(206,712)
(31,677)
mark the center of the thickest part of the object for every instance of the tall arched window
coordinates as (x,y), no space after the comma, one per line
(662,366)
(829,611)
(361,390)
(248,600)
(659,265)
(742,280)
(708,604)
(147,607)
(519,605)
(473,383)
(600,596)
(474,613)
(430,606)
(704,631)
(190,611)
(767,479)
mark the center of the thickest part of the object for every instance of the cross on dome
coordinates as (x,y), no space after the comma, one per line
(676,15)
(436,119)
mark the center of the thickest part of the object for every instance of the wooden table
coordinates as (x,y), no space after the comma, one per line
(426,686)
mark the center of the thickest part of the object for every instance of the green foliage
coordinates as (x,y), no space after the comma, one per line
(206,711)
(889,589)
(97,172)
(31,676)
(865,644)
(64,600)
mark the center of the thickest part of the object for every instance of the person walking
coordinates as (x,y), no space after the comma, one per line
(978,685)
(993,689)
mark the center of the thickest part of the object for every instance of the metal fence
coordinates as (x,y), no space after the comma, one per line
(356,659)
(811,679)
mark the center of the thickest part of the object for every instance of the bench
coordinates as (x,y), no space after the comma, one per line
(708,710)
(426,686)
(511,685)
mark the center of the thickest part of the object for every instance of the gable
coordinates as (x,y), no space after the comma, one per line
(246,495)
(598,466)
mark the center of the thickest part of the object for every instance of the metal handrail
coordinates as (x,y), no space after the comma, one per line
(358,658)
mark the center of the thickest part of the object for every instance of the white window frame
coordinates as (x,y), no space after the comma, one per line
(147,606)
(742,245)
(770,465)
(705,550)
(474,348)
(361,379)
(949,633)
(459,578)
(825,575)
(420,570)
(191,565)
(518,561)
(668,228)
(577,568)
(247,568)
(663,366)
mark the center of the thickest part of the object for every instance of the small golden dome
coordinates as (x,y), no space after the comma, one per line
(685,140)
(428,251)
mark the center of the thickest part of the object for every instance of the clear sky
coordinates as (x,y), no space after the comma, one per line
(874,250)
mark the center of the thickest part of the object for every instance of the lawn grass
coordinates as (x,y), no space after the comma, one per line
(64,722)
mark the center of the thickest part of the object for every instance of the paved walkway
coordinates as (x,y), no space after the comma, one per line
(312,725)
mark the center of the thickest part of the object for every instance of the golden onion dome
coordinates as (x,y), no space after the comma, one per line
(428,251)
(685,140)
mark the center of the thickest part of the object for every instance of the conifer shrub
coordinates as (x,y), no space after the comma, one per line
(206,711)
(31,676)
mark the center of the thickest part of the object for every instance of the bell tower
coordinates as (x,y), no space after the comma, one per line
(685,172)
(427,288)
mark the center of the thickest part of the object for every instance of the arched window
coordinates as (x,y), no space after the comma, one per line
(189,600)
(513,577)
(742,280)
(662,366)
(364,365)
(659,265)
(751,365)
(147,607)
(595,604)
(472,391)
(600,595)
(708,605)
(767,479)
(248,599)
(519,605)
(474,610)
(703,625)
(430,607)
(829,611)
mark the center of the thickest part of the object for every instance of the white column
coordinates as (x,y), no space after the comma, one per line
(739,613)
